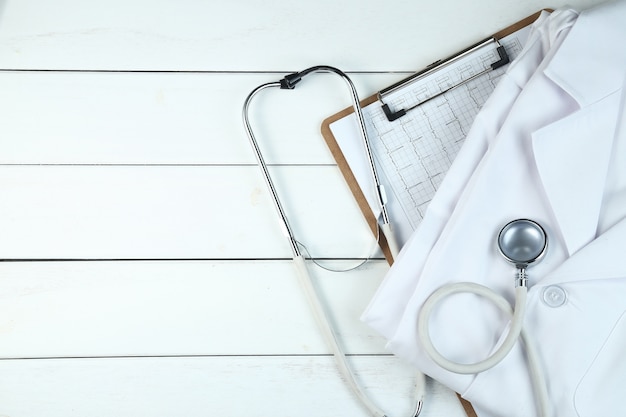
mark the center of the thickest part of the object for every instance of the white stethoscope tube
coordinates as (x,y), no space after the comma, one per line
(303,274)
(521,242)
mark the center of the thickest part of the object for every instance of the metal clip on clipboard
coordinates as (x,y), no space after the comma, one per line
(436,66)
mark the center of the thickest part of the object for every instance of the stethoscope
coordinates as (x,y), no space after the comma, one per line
(289,82)
(521,242)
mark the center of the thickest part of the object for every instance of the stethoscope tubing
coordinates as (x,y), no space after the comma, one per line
(330,336)
(304,276)
(515,332)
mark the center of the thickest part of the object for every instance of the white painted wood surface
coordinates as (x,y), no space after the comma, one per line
(167,288)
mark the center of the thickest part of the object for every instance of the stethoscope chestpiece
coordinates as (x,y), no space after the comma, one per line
(522,242)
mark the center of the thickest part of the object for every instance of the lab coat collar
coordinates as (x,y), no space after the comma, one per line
(572,156)
(590,62)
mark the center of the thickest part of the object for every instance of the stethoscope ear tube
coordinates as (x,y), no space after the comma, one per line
(284,223)
(289,82)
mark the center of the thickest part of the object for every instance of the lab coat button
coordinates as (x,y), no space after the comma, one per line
(554,296)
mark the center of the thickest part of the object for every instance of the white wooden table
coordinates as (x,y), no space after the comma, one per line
(146,273)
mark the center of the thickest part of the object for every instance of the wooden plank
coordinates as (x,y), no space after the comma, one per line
(227,386)
(121,118)
(78,309)
(148,212)
(246,35)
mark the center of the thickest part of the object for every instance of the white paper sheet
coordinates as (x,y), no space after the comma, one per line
(414,152)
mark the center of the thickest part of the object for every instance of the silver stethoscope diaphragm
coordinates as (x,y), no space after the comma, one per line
(522,242)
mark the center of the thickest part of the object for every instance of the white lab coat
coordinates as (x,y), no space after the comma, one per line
(549,145)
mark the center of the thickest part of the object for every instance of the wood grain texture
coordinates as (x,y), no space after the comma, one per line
(156,118)
(174,212)
(166,308)
(229,386)
(248,35)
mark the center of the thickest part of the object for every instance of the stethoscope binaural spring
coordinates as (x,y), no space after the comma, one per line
(521,242)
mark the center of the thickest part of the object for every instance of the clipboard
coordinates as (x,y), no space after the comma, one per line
(393,113)
(383,102)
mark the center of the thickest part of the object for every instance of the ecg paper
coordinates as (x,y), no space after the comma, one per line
(414,152)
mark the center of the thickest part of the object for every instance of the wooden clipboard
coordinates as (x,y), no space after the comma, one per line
(352,182)
(343,165)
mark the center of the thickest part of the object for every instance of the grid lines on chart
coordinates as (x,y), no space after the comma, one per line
(416,150)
